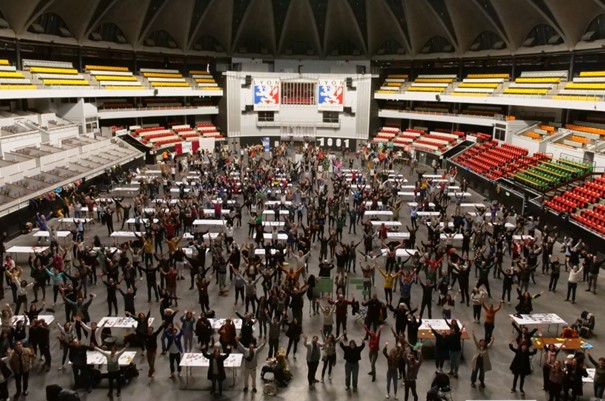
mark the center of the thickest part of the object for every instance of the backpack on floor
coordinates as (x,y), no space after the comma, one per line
(52,392)
(68,395)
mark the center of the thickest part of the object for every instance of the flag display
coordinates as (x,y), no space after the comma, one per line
(267,94)
(330,95)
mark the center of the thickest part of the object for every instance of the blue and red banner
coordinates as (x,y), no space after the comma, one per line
(267,94)
(331,95)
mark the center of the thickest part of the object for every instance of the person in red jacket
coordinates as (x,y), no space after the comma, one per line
(374,348)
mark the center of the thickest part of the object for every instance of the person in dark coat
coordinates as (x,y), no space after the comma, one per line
(216,370)
(521,365)
(572,383)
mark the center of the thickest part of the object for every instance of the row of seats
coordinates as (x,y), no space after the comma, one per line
(113,77)
(494,161)
(160,136)
(436,83)
(393,83)
(415,138)
(579,197)
(480,84)
(593,219)
(550,174)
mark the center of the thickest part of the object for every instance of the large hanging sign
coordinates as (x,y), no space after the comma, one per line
(331,93)
(267,94)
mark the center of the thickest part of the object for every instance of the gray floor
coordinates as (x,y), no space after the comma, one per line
(498,380)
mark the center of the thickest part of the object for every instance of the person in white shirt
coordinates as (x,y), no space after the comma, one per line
(250,363)
(575,275)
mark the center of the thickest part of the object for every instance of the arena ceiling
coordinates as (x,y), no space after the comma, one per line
(392,29)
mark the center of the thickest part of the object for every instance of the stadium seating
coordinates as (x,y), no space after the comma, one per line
(588,83)
(393,83)
(11,79)
(432,83)
(579,197)
(550,174)
(536,83)
(51,73)
(480,84)
(204,80)
(113,77)
(434,141)
(160,137)
(494,161)
(164,78)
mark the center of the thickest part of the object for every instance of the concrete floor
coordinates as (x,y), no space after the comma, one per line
(498,380)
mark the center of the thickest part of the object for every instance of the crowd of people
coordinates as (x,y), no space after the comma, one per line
(316,243)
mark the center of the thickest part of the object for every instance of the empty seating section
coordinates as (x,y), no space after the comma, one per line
(158,137)
(432,83)
(434,141)
(162,78)
(579,197)
(588,83)
(583,128)
(204,80)
(51,73)
(393,83)
(11,79)
(386,134)
(493,161)
(536,83)
(539,132)
(113,77)
(480,84)
(550,174)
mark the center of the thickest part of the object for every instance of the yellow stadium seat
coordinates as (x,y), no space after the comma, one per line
(216,88)
(4,74)
(434,80)
(170,84)
(578,98)
(48,70)
(472,85)
(469,94)
(478,76)
(205,81)
(396,84)
(105,68)
(572,85)
(66,82)
(592,74)
(161,75)
(17,87)
(538,80)
(425,89)
(199,72)
(398,76)
(4,62)
(523,91)
(123,87)
(114,78)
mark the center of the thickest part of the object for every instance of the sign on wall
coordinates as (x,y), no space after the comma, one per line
(337,143)
(331,94)
(267,94)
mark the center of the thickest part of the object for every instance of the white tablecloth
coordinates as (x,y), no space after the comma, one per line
(217,323)
(198,360)
(96,358)
(121,322)
(49,319)
(387,223)
(26,249)
(538,319)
